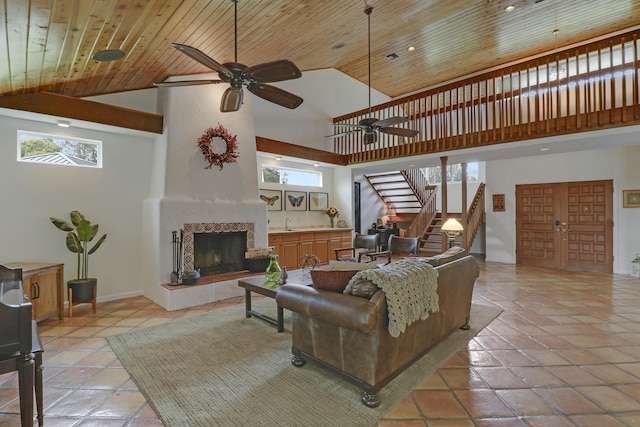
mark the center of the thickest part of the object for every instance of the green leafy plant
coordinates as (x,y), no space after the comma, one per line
(80,232)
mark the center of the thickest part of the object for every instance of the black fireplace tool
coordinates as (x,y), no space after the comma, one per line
(176,243)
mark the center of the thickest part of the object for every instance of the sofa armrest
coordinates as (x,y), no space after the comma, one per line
(339,309)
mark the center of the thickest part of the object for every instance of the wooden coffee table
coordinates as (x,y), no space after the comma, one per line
(258,284)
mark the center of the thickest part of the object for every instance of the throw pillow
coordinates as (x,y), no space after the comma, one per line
(346,265)
(364,288)
(332,280)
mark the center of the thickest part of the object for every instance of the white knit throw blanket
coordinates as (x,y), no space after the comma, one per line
(411,288)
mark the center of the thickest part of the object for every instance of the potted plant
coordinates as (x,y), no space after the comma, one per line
(80,232)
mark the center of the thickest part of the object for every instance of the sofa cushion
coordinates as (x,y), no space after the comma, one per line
(346,265)
(332,280)
(364,288)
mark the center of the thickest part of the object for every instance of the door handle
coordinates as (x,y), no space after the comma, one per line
(35,290)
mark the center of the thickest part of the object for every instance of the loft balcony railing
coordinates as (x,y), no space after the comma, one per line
(585,88)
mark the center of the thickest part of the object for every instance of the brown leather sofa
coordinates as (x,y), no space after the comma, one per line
(348,335)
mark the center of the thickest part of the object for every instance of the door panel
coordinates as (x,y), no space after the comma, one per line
(536,207)
(565,225)
(590,213)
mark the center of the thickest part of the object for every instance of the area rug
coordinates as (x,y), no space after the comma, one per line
(222,369)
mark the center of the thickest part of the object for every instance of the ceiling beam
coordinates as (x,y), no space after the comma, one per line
(82,109)
(273,146)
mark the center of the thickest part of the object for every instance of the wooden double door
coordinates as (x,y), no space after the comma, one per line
(565,225)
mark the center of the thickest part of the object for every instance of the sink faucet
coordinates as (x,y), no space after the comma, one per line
(286,223)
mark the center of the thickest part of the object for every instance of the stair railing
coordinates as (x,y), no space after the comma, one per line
(418,183)
(426,214)
(475,217)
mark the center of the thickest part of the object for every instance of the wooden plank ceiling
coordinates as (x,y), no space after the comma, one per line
(47,45)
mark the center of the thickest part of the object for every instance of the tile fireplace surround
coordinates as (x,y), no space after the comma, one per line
(184,297)
(211,227)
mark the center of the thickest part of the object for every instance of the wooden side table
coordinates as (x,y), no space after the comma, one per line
(43,287)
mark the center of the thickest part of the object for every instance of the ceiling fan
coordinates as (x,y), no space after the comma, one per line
(237,75)
(371,125)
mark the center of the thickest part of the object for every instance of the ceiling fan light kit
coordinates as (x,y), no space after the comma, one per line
(255,78)
(371,126)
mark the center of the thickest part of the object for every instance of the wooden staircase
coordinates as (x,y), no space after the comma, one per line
(409,194)
(399,192)
(431,241)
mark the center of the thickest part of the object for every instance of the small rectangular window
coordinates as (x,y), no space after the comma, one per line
(280,175)
(59,150)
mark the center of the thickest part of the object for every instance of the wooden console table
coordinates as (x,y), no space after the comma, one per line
(43,287)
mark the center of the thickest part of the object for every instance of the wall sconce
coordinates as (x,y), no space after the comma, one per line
(453,229)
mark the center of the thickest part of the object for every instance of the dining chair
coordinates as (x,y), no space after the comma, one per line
(399,246)
(20,345)
(362,245)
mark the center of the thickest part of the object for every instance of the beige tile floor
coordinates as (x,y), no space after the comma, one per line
(564,352)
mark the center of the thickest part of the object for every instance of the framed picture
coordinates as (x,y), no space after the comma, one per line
(318,201)
(273,199)
(631,198)
(295,200)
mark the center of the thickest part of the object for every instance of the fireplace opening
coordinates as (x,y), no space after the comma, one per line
(218,253)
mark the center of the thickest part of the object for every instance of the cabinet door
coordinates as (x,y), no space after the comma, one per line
(47,303)
(29,291)
(289,257)
(305,247)
(276,242)
(321,249)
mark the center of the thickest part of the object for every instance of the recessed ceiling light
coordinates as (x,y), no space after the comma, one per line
(510,8)
(108,55)
(411,48)
(64,123)
(316,164)
(278,158)
(545,149)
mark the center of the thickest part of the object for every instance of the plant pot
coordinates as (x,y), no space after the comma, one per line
(82,289)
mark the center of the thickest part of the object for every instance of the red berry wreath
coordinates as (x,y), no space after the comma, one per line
(218,159)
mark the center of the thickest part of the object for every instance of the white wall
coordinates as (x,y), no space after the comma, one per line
(297,219)
(327,94)
(619,164)
(111,197)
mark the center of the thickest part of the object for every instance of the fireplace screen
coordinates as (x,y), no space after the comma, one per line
(218,253)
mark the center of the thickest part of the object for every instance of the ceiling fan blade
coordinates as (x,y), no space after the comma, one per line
(187,83)
(204,59)
(351,125)
(399,131)
(349,132)
(231,99)
(275,71)
(275,95)
(391,121)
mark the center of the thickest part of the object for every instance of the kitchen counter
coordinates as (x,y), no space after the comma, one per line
(292,246)
(306,230)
